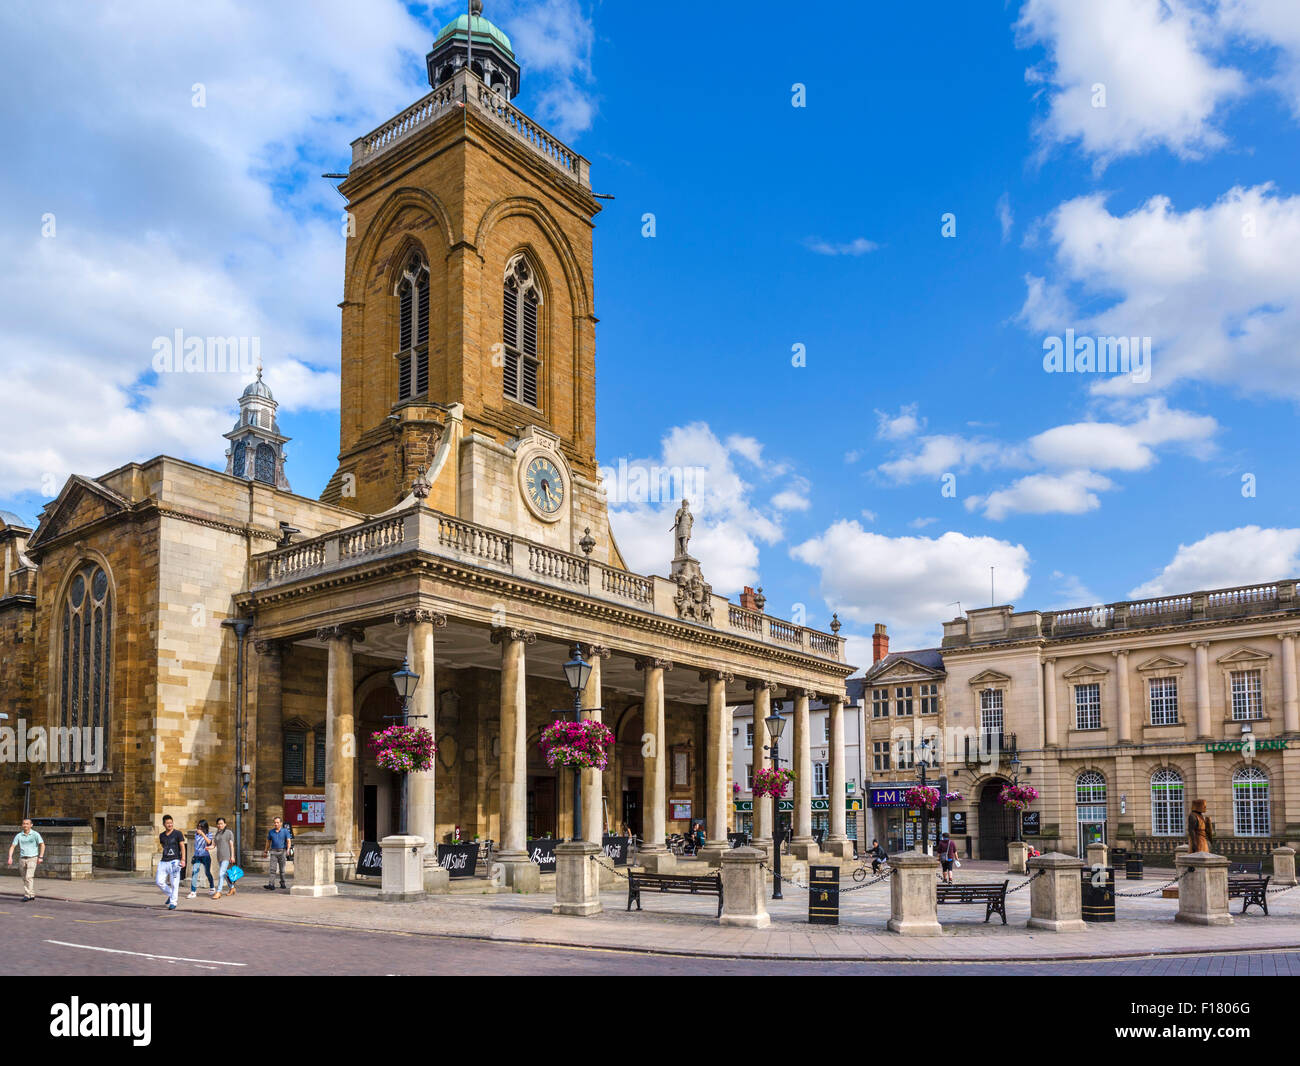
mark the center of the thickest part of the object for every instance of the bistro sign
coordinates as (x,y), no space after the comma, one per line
(1238,745)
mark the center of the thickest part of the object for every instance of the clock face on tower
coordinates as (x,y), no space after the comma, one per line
(544,486)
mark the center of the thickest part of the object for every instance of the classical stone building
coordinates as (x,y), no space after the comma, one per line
(1119,715)
(234,642)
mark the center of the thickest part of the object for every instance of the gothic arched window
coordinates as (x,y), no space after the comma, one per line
(522,300)
(241,454)
(1168,814)
(413,330)
(265,469)
(85,665)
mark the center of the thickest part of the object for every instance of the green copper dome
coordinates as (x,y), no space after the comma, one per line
(483,30)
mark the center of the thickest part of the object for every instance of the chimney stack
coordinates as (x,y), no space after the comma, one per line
(879,643)
(747,600)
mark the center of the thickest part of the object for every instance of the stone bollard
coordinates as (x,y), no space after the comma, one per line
(403,874)
(577,878)
(1098,855)
(519,872)
(1018,855)
(1202,889)
(744,891)
(1056,898)
(436,879)
(1284,865)
(912,907)
(313,866)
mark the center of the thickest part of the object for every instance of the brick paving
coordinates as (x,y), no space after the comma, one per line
(686,925)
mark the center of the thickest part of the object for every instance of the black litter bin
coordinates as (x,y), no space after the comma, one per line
(1133,867)
(1099,894)
(1118,856)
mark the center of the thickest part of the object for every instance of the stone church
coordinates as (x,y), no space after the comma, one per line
(234,643)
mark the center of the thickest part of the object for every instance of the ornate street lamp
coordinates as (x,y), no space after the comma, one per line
(1015,781)
(577,670)
(775,727)
(405,681)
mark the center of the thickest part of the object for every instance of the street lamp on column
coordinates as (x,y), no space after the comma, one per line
(405,681)
(1015,780)
(775,726)
(577,670)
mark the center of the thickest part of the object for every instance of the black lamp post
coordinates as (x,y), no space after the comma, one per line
(577,670)
(1015,781)
(405,682)
(925,811)
(775,727)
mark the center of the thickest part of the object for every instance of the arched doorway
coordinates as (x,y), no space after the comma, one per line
(381,796)
(630,772)
(997,823)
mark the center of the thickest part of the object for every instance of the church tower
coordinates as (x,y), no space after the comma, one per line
(468,333)
(256,449)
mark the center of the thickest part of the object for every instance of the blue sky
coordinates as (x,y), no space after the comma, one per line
(1171,212)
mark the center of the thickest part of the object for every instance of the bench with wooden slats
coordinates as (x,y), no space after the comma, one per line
(708,885)
(1252,891)
(993,896)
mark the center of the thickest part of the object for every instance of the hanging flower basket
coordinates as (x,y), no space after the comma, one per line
(404,749)
(1017,797)
(953,797)
(926,796)
(772,782)
(584,744)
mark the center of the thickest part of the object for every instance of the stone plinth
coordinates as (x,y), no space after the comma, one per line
(313,865)
(1017,857)
(403,876)
(577,878)
(764,845)
(436,879)
(744,892)
(657,861)
(840,851)
(1056,898)
(805,848)
(520,872)
(1283,866)
(912,907)
(1098,855)
(1202,889)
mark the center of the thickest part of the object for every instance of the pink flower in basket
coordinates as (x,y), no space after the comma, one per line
(583,744)
(1017,797)
(926,796)
(404,749)
(768,782)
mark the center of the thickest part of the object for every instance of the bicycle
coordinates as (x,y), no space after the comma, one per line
(860,874)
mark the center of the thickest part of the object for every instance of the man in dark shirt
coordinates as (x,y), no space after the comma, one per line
(278,838)
(172,863)
(878,856)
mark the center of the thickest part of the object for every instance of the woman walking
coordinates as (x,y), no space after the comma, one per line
(947,856)
(202,860)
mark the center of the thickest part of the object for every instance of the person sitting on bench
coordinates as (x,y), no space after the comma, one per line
(878,856)
(696,837)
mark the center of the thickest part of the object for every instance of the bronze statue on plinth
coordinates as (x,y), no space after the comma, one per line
(1200,829)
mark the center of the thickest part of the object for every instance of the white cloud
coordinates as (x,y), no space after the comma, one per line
(942,454)
(1152,61)
(729,528)
(1046,308)
(1071,592)
(1275,23)
(794,498)
(910,583)
(554,37)
(1118,446)
(1247,555)
(857,246)
(1006,220)
(900,426)
(1215,288)
(1070,493)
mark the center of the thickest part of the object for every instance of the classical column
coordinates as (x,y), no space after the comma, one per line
(838,842)
(340,744)
(717,783)
(1202,688)
(652,853)
(802,846)
(762,833)
(1124,722)
(520,872)
(1049,703)
(1290,697)
(593,809)
(420,815)
(266,753)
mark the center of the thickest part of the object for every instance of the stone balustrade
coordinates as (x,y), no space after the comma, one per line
(419,529)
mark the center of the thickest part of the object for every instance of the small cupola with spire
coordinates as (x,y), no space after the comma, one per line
(471,39)
(256,450)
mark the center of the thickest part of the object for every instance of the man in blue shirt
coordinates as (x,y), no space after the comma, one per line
(31,853)
(277,849)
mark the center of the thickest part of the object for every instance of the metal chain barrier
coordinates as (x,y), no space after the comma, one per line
(784,880)
(1158,888)
(867,884)
(1025,883)
(1286,888)
(608,866)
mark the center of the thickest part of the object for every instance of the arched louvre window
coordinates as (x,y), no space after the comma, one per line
(1168,810)
(86,661)
(1250,812)
(265,471)
(413,330)
(241,455)
(521,301)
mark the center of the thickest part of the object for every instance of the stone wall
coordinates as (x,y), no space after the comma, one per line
(67,851)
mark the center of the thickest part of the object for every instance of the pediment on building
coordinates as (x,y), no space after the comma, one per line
(81,503)
(905,670)
(990,678)
(1162,662)
(1085,670)
(1243,656)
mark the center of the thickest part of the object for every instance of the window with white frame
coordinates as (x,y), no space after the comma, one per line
(1090,789)
(821,776)
(1164,701)
(749,777)
(880,703)
(826,729)
(903,701)
(1247,699)
(1250,812)
(1168,807)
(903,755)
(749,734)
(1087,706)
(929,699)
(991,711)
(880,756)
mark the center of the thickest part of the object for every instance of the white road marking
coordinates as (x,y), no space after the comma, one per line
(144,954)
